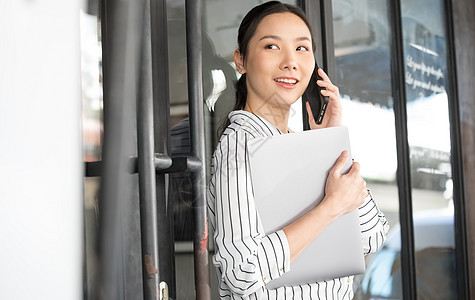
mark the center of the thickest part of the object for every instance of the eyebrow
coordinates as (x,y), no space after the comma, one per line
(276,37)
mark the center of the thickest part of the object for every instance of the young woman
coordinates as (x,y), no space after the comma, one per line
(275,58)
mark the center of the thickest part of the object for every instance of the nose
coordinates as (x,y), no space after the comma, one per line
(289,60)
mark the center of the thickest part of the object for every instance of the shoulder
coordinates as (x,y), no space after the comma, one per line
(243,127)
(236,136)
(249,124)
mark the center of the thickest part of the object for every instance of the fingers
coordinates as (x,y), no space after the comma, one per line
(349,189)
(323,75)
(333,116)
(340,163)
(327,84)
(355,168)
(364,194)
(359,181)
(329,89)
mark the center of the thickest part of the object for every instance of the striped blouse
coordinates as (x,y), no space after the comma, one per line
(246,258)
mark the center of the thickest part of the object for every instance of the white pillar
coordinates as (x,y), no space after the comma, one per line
(41,208)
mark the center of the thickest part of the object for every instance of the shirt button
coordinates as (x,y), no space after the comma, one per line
(349,280)
(281,269)
(264,279)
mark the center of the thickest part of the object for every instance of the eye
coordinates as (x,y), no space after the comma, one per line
(302,48)
(271,46)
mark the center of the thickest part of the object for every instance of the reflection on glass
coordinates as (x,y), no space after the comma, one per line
(179,187)
(91,80)
(429,142)
(362,53)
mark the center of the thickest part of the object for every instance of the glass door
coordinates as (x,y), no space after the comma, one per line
(367,44)
(362,48)
(428,126)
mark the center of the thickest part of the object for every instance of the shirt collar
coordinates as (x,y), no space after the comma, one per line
(266,126)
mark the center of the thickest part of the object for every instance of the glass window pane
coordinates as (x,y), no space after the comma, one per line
(179,187)
(362,55)
(429,142)
(92,126)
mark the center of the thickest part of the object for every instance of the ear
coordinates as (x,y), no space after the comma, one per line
(239,61)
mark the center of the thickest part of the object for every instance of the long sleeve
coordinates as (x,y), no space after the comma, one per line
(246,257)
(373,224)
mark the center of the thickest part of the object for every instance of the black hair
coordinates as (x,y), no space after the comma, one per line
(246,31)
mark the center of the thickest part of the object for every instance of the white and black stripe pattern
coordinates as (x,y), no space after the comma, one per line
(374,225)
(246,258)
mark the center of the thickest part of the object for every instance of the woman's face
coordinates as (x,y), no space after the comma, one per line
(279,60)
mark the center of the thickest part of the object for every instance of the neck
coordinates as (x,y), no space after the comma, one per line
(277,115)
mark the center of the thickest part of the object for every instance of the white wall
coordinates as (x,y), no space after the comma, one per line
(41,230)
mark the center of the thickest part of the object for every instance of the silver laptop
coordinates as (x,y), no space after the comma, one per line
(289,173)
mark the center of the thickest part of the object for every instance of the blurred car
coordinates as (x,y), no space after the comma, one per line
(434,259)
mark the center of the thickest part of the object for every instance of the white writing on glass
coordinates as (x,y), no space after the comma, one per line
(426,85)
(425,70)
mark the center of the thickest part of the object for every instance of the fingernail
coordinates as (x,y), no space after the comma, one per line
(345,153)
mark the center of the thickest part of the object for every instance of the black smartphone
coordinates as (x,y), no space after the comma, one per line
(312,95)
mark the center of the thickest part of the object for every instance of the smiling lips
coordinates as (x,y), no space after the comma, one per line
(286,82)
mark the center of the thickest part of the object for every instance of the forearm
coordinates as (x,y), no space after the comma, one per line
(343,194)
(303,231)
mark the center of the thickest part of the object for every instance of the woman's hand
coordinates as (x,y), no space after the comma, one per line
(344,193)
(332,116)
